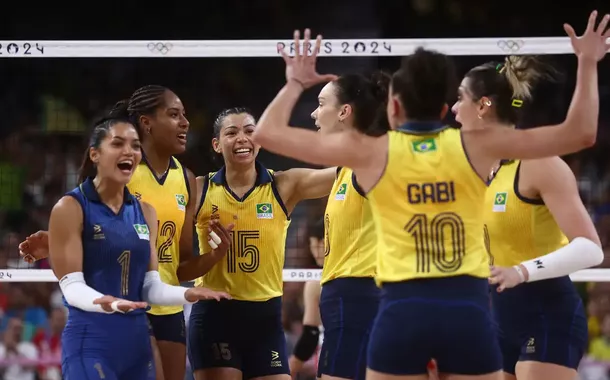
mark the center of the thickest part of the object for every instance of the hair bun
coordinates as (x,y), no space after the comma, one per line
(380,84)
(120,110)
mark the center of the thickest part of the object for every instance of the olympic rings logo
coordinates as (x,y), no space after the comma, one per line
(511,46)
(160,47)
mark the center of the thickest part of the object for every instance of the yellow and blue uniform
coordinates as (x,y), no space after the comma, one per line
(169,195)
(247,331)
(116,257)
(541,321)
(350,298)
(431,260)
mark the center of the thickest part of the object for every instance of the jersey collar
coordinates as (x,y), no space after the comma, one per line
(172,162)
(422,127)
(262,175)
(88,189)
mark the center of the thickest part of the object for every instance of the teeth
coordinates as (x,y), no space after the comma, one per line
(242,150)
(182,135)
(126,162)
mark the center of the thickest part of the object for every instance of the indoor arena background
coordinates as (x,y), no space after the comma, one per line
(48,104)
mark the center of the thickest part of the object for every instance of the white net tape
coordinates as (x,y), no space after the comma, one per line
(270,48)
(290,275)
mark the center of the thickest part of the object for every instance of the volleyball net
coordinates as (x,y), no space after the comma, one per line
(55,88)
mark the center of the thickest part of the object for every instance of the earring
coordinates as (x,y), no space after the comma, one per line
(480,117)
(488,103)
(148,131)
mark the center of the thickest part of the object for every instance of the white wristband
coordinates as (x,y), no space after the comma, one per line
(520,272)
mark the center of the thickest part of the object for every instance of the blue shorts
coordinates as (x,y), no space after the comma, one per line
(348,307)
(248,336)
(168,327)
(447,319)
(541,321)
(106,346)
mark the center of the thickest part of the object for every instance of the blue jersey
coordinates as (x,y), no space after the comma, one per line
(116,257)
(116,247)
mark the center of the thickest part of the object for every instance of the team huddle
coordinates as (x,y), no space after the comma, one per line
(421,219)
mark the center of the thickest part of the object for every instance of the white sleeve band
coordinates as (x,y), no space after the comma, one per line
(156,292)
(80,295)
(581,253)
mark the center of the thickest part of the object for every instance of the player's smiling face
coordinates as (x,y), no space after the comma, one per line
(235,139)
(327,115)
(119,153)
(169,126)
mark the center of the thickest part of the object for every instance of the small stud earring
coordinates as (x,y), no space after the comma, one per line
(148,131)
(488,103)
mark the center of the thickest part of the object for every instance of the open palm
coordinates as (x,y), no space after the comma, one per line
(302,67)
(593,44)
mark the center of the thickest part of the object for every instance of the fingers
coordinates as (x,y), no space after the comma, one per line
(214,236)
(284,55)
(224,295)
(569,31)
(306,39)
(219,230)
(329,77)
(297,44)
(601,28)
(591,22)
(318,46)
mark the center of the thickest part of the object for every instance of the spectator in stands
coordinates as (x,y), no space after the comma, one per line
(17,357)
(599,349)
(20,305)
(48,342)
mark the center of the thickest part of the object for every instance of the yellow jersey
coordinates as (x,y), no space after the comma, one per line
(349,241)
(516,228)
(427,207)
(169,195)
(253,267)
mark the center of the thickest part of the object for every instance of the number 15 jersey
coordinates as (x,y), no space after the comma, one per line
(427,207)
(253,268)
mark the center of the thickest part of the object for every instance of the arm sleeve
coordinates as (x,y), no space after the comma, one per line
(80,295)
(157,292)
(581,253)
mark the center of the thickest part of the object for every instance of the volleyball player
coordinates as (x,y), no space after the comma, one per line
(424,183)
(246,339)
(309,341)
(542,324)
(102,248)
(350,298)
(162,181)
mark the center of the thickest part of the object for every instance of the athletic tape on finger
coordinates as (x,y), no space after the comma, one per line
(215,237)
(115,306)
(212,244)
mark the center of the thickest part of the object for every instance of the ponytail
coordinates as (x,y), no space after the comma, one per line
(87,168)
(380,86)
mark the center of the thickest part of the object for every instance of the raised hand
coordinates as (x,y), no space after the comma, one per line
(302,67)
(196,294)
(593,44)
(35,247)
(121,305)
